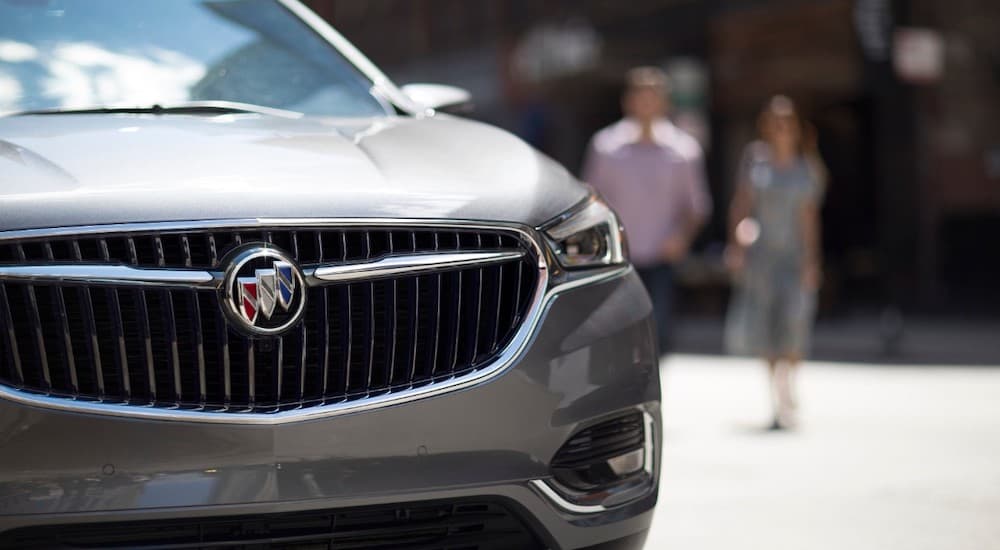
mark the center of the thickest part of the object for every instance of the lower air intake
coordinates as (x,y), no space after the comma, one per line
(602,454)
(442,525)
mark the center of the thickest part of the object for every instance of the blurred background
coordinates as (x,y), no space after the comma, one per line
(898,437)
(900,421)
(905,95)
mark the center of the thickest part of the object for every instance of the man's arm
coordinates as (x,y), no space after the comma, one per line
(698,208)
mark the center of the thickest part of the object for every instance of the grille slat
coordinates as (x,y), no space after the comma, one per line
(347,338)
(8,329)
(213,253)
(370,332)
(120,354)
(186,249)
(251,362)
(346,320)
(392,317)
(172,347)
(121,358)
(453,344)
(199,343)
(36,325)
(324,332)
(161,259)
(68,356)
(498,296)
(142,312)
(90,322)
(517,296)
(436,289)
(170,323)
(369,309)
(222,333)
(496,272)
(66,348)
(93,347)
(477,323)
(302,362)
(414,318)
(278,371)
(34,318)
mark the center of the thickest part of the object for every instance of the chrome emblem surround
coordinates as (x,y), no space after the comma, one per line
(263,290)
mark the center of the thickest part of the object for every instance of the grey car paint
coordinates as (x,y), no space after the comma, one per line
(82,170)
(591,355)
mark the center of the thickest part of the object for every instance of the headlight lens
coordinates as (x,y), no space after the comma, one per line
(590,237)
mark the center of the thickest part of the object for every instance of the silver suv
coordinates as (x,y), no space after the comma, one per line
(254,295)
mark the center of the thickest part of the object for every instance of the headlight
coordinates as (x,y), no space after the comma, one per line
(590,237)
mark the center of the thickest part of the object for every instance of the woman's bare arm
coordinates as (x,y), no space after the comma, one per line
(812,240)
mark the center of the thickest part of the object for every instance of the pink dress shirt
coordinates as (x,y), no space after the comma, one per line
(655,187)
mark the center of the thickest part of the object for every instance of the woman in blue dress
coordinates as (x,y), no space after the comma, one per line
(774,250)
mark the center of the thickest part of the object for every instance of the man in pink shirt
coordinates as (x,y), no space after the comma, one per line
(652,173)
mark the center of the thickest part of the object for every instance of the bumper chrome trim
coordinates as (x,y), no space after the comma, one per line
(544,295)
(557,499)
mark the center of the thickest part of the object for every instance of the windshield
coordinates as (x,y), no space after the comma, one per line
(77,54)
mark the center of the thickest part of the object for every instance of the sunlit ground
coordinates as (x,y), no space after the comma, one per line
(886,457)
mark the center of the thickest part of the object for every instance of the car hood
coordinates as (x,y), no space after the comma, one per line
(66,170)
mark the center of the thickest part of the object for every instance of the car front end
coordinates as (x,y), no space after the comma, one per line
(223,325)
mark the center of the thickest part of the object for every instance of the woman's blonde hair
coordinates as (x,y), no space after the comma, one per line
(779,106)
(783,106)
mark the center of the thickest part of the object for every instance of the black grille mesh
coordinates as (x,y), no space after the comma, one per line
(458,525)
(172,347)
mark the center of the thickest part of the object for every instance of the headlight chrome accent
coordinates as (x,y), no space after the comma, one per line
(588,236)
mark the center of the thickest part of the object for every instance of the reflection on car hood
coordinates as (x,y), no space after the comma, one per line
(63,170)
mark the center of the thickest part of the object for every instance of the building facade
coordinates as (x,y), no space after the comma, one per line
(904,94)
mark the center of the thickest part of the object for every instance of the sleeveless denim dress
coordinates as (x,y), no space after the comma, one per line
(771,313)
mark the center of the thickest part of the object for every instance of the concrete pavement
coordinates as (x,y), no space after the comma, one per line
(886,457)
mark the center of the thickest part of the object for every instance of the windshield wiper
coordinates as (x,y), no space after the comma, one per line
(187,108)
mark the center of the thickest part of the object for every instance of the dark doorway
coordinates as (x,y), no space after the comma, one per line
(850,211)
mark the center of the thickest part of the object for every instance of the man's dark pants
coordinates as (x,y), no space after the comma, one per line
(659,281)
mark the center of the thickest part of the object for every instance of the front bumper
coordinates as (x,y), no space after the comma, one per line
(592,355)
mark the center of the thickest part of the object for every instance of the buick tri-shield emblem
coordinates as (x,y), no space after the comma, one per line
(264,291)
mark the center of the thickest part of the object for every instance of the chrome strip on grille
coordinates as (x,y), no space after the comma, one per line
(118,275)
(389,266)
(488,264)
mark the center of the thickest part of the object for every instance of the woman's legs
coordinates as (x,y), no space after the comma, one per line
(773,378)
(793,361)
(782,371)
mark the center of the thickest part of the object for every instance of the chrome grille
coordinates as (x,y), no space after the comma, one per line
(170,346)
